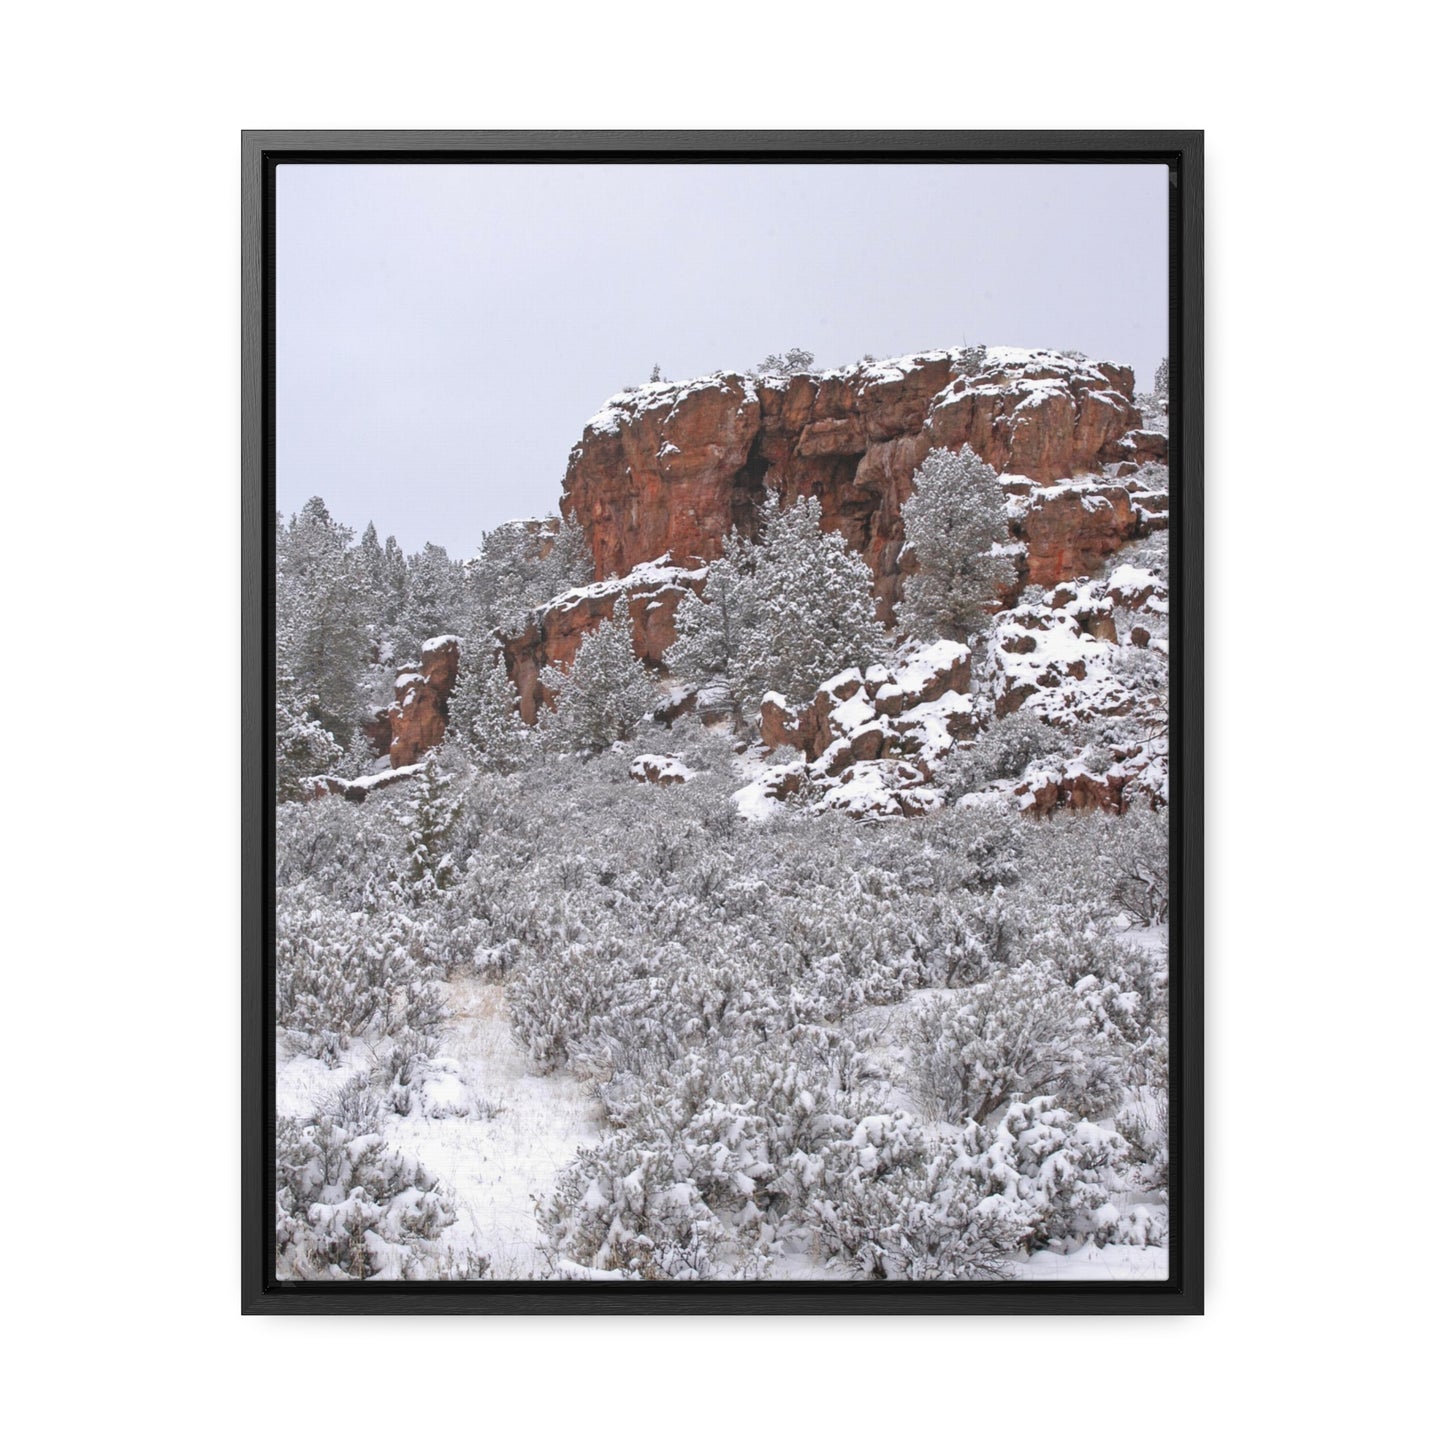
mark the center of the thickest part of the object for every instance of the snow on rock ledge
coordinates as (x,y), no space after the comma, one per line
(358,790)
(870,741)
(662,769)
(553,632)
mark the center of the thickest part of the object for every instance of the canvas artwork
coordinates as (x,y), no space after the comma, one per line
(722,664)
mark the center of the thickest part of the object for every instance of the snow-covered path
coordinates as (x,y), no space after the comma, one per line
(522,1128)
(512,1131)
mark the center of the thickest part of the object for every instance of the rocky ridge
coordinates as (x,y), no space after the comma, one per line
(662,473)
(673,467)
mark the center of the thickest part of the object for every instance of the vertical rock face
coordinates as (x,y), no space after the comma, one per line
(553,633)
(1069,530)
(671,468)
(419,712)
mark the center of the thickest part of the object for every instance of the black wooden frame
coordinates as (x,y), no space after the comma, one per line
(1183,153)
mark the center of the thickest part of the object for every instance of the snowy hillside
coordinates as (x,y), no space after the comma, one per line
(816,926)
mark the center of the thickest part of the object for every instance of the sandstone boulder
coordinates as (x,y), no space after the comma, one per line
(1070,529)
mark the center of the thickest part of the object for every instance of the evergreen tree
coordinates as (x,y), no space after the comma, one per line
(322,615)
(304,749)
(435,602)
(954,525)
(812,611)
(709,625)
(605,693)
(795,361)
(429,867)
(567,564)
(782,614)
(372,561)
(482,715)
(395,575)
(521,565)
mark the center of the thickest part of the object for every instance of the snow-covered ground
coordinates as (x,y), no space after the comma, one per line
(518,1130)
(1095,1262)
(505,1131)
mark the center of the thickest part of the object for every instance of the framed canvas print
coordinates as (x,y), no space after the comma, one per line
(723,694)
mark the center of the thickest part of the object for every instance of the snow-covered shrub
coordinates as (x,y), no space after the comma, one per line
(622,1208)
(1139,849)
(717,1156)
(971,359)
(1022,1031)
(728,1161)
(1143,1120)
(341,977)
(792,362)
(1065,1172)
(347,1207)
(1003,750)
(902,1204)
(331,849)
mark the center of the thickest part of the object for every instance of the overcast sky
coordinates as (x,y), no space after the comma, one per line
(443,332)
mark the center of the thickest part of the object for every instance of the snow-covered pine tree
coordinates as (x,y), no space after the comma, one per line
(483,716)
(605,693)
(781,614)
(812,612)
(361,758)
(429,867)
(954,525)
(568,562)
(466,693)
(510,573)
(322,615)
(709,625)
(304,748)
(371,559)
(395,574)
(434,597)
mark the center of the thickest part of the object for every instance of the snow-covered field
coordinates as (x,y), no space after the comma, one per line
(859,971)
(497,1133)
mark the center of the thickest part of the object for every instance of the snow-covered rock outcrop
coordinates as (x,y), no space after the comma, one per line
(552,633)
(871,740)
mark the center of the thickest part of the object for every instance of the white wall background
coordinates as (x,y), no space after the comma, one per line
(118,560)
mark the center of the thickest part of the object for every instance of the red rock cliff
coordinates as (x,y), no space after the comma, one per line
(671,467)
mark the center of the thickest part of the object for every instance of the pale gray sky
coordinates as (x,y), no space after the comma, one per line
(444,331)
